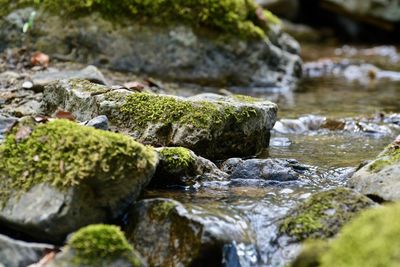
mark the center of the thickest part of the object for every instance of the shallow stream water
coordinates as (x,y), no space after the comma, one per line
(332,155)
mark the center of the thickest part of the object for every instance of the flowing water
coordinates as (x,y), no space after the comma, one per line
(332,155)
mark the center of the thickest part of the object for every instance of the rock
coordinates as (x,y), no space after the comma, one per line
(181,167)
(97,246)
(370,10)
(166,233)
(213,126)
(90,73)
(6,124)
(15,253)
(197,48)
(60,176)
(370,240)
(267,169)
(323,214)
(380,179)
(100,122)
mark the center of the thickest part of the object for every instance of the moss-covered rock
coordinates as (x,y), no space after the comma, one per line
(311,253)
(98,245)
(166,233)
(181,167)
(381,177)
(86,176)
(213,126)
(323,214)
(371,240)
(195,41)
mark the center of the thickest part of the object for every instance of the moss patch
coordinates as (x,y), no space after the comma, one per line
(372,239)
(311,253)
(176,158)
(97,244)
(243,18)
(323,214)
(65,154)
(390,156)
(246,99)
(144,108)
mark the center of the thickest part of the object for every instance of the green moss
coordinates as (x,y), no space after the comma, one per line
(311,253)
(143,108)
(323,214)
(372,239)
(236,17)
(176,158)
(99,244)
(390,156)
(65,154)
(87,86)
(246,98)
(161,210)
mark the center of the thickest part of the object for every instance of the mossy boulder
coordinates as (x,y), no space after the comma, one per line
(311,253)
(380,179)
(213,126)
(323,214)
(180,166)
(166,233)
(60,176)
(230,42)
(97,245)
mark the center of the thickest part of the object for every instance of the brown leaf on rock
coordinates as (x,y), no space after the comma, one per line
(40,59)
(41,119)
(45,260)
(137,86)
(23,133)
(65,115)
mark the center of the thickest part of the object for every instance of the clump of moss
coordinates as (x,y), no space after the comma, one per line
(246,98)
(322,215)
(161,210)
(244,18)
(145,108)
(390,156)
(98,244)
(65,154)
(372,239)
(176,158)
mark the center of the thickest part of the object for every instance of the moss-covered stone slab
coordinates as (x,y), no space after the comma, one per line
(97,246)
(230,42)
(180,166)
(166,233)
(60,176)
(380,178)
(371,239)
(213,126)
(323,214)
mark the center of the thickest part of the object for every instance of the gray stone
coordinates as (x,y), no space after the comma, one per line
(166,233)
(14,253)
(266,169)
(241,128)
(6,123)
(380,179)
(100,122)
(182,54)
(90,73)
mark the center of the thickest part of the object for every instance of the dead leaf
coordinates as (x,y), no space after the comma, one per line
(40,59)
(45,260)
(138,86)
(261,16)
(65,115)
(41,119)
(23,133)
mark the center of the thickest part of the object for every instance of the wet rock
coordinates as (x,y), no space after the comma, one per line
(166,233)
(323,214)
(14,253)
(300,125)
(213,126)
(266,169)
(100,122)
(97,245)
(380,178)
(372,233)
(196,54)
(59,176)
(179,166)
(90,73)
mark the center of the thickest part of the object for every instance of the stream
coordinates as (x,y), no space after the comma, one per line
(331,156)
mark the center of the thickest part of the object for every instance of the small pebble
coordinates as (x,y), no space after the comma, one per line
(27,85)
